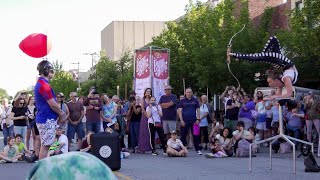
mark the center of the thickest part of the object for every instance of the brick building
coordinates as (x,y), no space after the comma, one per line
(280,17)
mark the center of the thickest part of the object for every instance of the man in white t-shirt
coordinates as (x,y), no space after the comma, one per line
(175,146)
(63,139)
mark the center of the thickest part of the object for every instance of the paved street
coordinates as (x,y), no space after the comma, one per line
(194,167)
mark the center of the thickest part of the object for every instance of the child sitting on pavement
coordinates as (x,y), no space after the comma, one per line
(217,150)
(175,146)
(54,147)
(10,153)
(86,144)
(256,138)
(21,147)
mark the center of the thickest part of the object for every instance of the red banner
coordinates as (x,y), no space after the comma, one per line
(160,64)
(142,69)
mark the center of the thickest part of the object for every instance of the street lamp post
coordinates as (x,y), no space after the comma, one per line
(78,74)
(92,56)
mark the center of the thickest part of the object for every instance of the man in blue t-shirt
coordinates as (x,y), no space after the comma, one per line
(168,104)
(189,114)
(48,109)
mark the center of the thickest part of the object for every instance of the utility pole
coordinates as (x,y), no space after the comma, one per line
(78,74)
(92,57)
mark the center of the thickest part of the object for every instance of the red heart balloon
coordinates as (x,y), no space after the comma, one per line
(36,45)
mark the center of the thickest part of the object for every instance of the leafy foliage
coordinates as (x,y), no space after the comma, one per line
(198,44)
(63,81)
(3,94)
(109,74)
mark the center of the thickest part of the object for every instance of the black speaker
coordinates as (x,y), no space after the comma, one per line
(106,147)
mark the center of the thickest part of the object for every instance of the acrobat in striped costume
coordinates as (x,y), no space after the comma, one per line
(271,54)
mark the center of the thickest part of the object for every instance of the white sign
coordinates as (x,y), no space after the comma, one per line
(105,151)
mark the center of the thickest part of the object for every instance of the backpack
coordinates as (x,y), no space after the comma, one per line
(243,148)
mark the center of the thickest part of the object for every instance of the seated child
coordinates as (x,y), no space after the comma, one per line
(54,147)
(217,150)
(217,127)
(86,144)
(21,147)
(175,146)
(256,138)
(11,152)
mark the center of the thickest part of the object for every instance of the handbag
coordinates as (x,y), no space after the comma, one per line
(196,129)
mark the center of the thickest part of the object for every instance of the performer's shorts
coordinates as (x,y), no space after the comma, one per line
(293,73)
(47,132)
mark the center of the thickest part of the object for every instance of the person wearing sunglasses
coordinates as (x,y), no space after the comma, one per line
(19,116)
(48,110)
(168,103)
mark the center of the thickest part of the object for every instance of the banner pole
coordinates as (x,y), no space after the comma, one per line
(151,69)
(134,71)
(184,86)
(126,91)
(207,94)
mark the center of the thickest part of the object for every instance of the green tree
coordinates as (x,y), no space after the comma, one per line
(302,42)
(125,72)
(198,44)
(57,66)
(3,94)
(63,82)
(108,74)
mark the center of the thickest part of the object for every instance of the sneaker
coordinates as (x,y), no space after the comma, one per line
(2,161)
(154,153)
(15,160)
(209,155)
(165,154)
(199,152)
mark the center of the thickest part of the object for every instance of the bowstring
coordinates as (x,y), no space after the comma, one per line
(229,46)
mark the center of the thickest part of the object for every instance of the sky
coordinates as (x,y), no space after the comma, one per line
(73,26)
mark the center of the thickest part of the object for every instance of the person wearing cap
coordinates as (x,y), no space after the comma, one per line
(48,110)
(93,106)
(168,103)
(312,108)
(175,146)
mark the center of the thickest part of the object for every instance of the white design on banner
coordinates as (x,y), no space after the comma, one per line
(160,67)
(142,66)
(105,151)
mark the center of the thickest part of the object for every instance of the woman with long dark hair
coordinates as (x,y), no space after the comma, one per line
(63,106)
(144,136)
(31,111)
(20,117)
